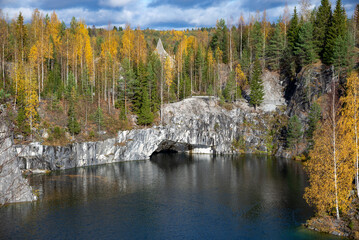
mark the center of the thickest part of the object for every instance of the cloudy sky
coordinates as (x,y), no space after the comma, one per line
(157,14)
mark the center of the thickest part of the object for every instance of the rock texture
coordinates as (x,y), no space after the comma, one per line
(194,125)
(13,187)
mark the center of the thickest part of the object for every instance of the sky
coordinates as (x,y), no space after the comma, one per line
(155,14)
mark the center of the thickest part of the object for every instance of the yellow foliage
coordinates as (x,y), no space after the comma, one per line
(31,100)
(241,78)
(140,47)
(127,42)
(321,190)
(168,72)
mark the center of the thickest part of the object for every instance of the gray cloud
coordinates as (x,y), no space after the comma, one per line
(156,14)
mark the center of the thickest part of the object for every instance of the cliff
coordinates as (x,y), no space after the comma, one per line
(194,125)
(13,187)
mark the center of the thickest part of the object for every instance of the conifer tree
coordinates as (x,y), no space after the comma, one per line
(304,48)
(313,119)
(337,28)
(275,48)
(321,26)
(72,123)
(256,85)
(295,132)
(292,35)
(145,116)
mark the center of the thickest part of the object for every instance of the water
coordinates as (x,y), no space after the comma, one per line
(173,196)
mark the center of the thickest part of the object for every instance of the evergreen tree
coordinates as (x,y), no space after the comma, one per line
(337,28)
(321,26)
(275,48)
(256,85)
(257,40)
(315,114)
(230,89)
(292,35)
(294,132)
(72,123)
(98,118)
(304,46)
(145,116)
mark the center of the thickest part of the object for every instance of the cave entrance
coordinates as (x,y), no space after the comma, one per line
(168,146)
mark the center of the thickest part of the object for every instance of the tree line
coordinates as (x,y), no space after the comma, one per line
(119,69)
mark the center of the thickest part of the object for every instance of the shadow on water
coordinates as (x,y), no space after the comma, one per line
(172,196)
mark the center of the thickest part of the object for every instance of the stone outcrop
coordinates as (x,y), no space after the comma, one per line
(194,125)
(13,186)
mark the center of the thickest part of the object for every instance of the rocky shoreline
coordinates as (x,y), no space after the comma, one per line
(195,125)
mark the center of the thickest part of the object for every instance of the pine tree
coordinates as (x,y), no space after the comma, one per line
(275,48)
(256,85)
(337,28)
(295,132)
(304,47)
(321,26)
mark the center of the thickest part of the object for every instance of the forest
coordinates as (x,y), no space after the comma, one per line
(88,83)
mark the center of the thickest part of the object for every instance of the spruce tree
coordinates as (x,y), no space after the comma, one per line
(145,116)
(338,27)
(292,34)
(256,85)
(304,47)
(321,26)
(72,123)
(314,116)
(257,40)
(275,48)
(294,132)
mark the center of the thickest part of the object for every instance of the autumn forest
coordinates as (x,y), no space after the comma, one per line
(84,83)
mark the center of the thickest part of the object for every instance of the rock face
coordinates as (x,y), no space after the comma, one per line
(312,82)
(194,125)
(13,187)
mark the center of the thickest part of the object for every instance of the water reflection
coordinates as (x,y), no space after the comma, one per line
(172,196)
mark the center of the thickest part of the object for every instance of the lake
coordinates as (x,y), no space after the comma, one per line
(172,196)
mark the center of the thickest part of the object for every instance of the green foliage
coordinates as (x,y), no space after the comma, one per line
(256,85)
(315,114)
(98,117)
(337,28)
(257,40)
(220,39)
(230,89)
(146,116)
(72,123)
(275,49)
(292,35)
(3,96)
(321,26)
(304,47)
(295,133)
(21,123)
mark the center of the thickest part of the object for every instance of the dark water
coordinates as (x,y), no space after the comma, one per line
(173,196)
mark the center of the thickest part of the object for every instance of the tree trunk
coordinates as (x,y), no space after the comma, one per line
(334,153)
(161,112)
